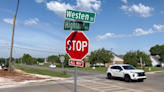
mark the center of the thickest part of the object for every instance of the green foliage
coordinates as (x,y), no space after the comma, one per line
(100,56)
(17,60)
(134,56)
(40,60)
(64,73)
(158,50)
(132,62)
(28,59)
(53,59)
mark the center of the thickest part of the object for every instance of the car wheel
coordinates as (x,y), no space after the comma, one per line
(127,78)
(109,76)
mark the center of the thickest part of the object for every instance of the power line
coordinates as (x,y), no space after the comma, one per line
(28,49)
(17,9)
(35,50)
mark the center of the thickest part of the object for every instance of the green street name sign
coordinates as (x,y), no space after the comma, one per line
(75,25)
(81,15)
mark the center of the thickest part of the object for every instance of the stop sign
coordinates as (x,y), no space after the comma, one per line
(77,45)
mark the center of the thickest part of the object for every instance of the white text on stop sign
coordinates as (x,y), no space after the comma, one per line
(77,45)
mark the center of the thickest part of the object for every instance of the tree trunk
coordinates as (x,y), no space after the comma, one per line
(99,64)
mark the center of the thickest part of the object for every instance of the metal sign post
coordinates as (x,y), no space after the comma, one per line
(75,78)
(141,61)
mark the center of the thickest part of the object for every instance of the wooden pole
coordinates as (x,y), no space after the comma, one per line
(12,44)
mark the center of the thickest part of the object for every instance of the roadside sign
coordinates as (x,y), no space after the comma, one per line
(62,58)
(77,45)
(78,63)
(75,25)
(81,15)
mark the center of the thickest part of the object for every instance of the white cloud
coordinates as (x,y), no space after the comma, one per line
(125,1)
(60,7)
(9,21)
(159,28)
(142,10)
(47,24)
(40,1)
(31,21)
(162,12)
(89,5)
(137,32)
(107,35)
(140,31)
(124,7)
(56,23)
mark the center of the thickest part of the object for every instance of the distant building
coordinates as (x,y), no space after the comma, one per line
(45,60)
(155,60)
(116,60)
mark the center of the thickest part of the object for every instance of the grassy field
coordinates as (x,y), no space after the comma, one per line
(42,65)
(146,69)
(43,72)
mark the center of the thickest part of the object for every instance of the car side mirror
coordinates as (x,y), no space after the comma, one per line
(120,70)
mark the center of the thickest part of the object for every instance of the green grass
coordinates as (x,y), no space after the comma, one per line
(146,69)
(43,72)
(104,69)
(42,65)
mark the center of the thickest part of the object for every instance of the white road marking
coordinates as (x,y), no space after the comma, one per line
(91,83)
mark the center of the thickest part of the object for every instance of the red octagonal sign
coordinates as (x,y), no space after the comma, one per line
(77,45)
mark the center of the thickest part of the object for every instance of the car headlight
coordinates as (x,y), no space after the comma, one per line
(134,73)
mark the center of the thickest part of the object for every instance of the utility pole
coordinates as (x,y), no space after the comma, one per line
(21,60)
(12,38)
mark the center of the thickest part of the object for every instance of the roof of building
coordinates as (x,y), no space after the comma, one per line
(116,58)
(120,56)
(157,57)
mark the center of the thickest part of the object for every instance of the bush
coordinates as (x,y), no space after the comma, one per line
(98,66)
(64,73)
(132,62)
(150,65)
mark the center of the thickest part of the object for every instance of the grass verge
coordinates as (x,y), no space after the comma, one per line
(146,69)
(43,72)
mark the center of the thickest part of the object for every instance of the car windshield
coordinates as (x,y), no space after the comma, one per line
(128,67)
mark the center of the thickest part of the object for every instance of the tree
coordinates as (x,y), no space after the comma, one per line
(100,56)
(53,59)
(28,59)
(41,60)
(133,57)
(158,50)
(17,60)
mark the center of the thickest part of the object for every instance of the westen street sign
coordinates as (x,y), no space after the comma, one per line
(78,63)
(81,15)
(75,25)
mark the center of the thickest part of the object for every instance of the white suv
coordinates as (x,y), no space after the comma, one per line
(125,71)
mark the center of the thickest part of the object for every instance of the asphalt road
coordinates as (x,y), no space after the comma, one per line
(92,82)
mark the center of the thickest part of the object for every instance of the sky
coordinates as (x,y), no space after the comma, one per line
(123,25)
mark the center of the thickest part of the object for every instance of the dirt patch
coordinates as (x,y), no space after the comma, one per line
(17,77)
